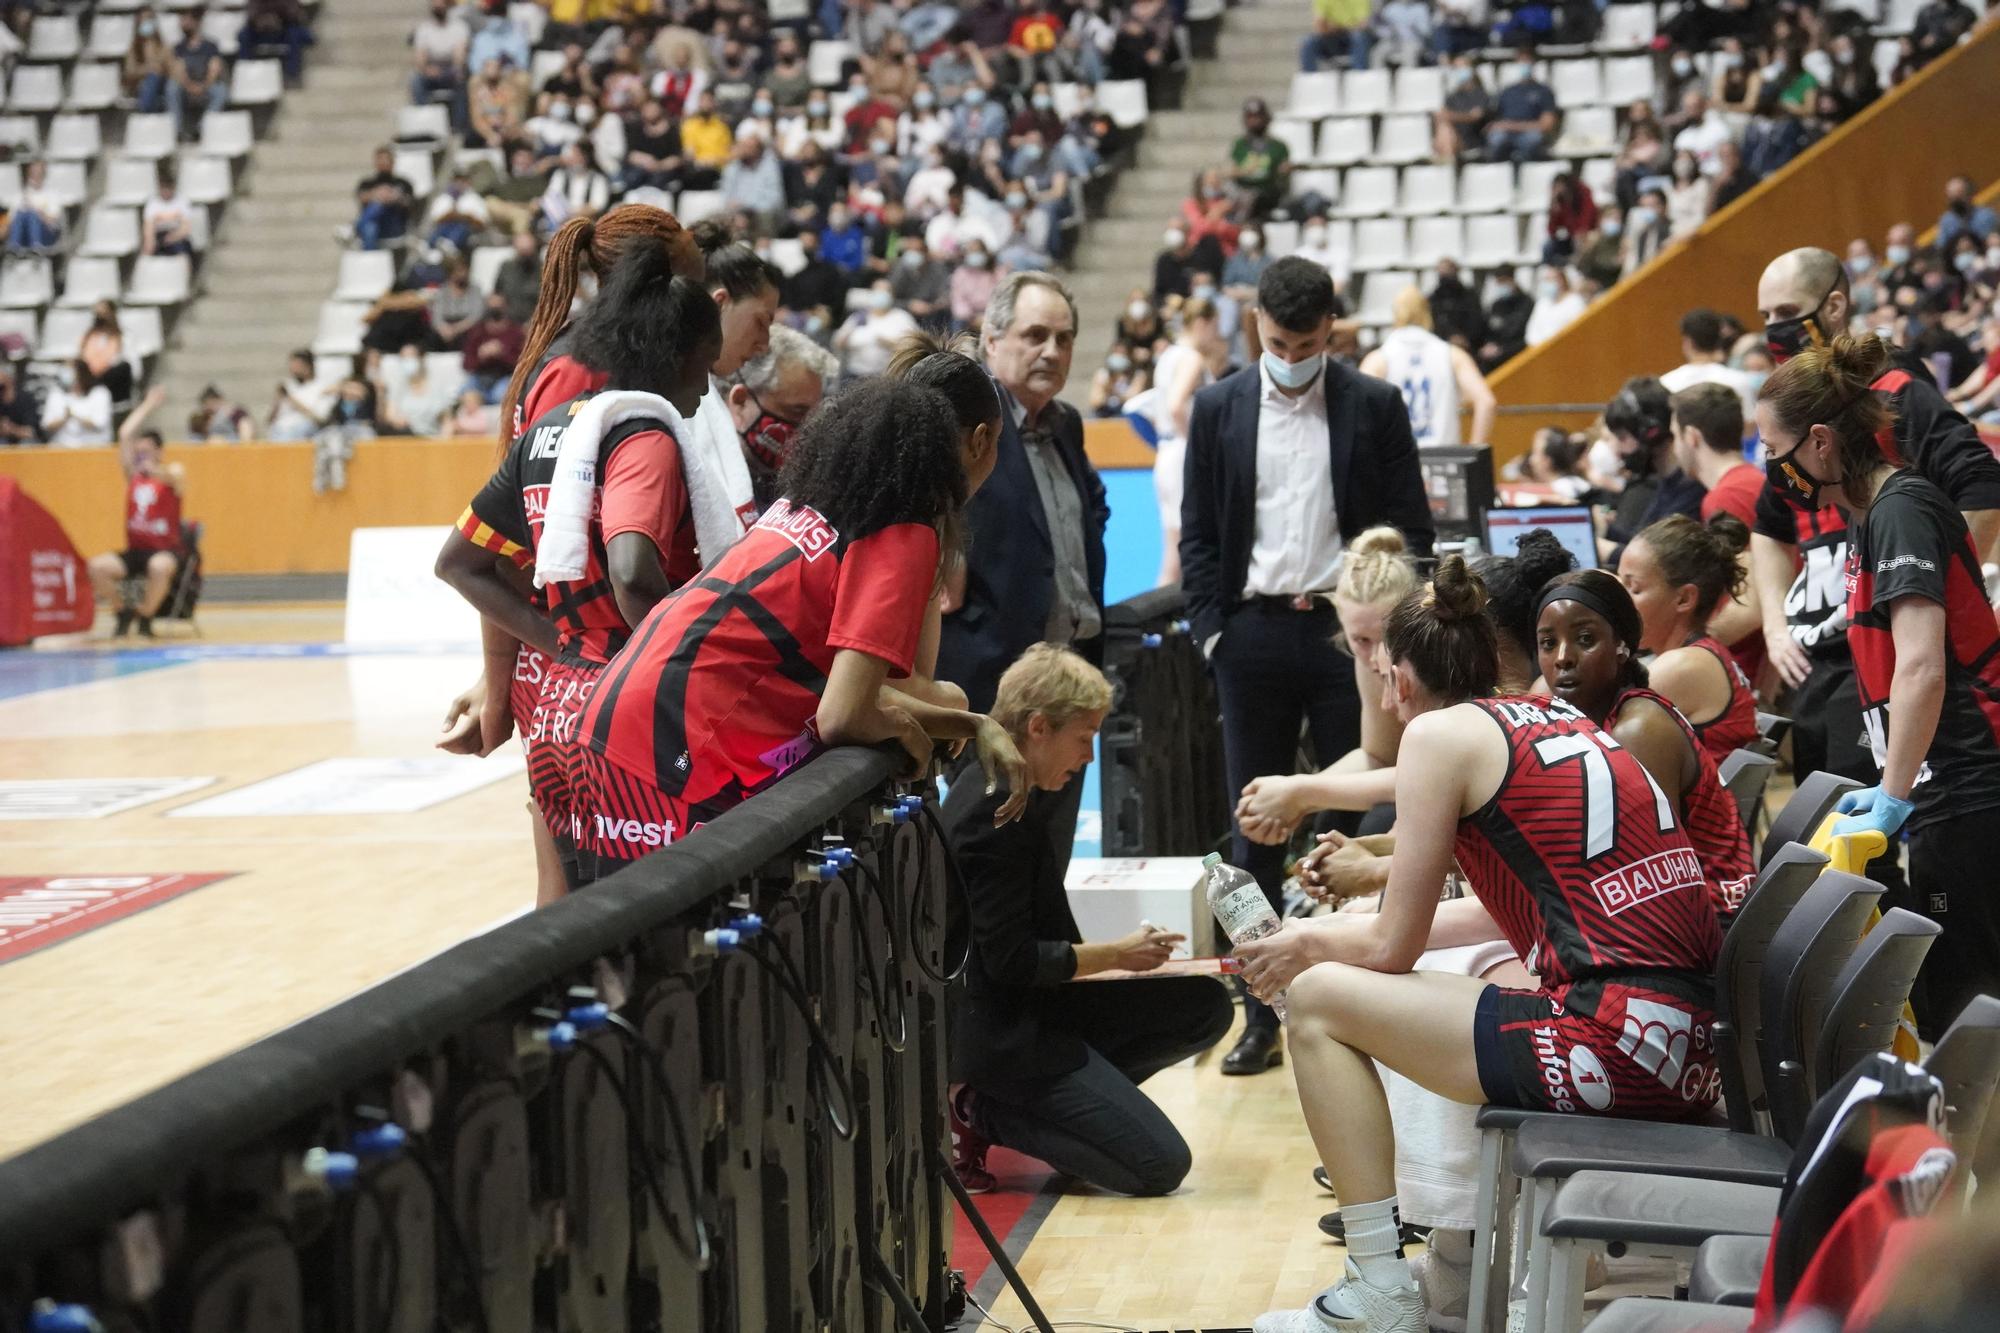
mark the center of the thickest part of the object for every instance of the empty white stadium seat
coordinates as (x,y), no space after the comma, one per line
(88,281)
(485,266)
(1487,187)
(54,37)
(93,87)
(1491,240)
(36,89)
(228,133)
(1297,137)
(698,204)
(1071,98)
(1378,291)
(69,182)
(62,334)
(1404,139)
(1381,243)
(256,83)
(27,282)
(23,134)
(1345,141)
(531,19)
(1587,130)
(1899,17)
(144,336)
(824,59)
(1322,181)
(429,123)
(130,181)
(419,168)
(1124,100)
(150,136)
(1532,181)
(1280,238)
(1435,238)
(341,324)
(73,137)
(1428,189)
(1315,95)
(1368,190)
(1601,175)
(544,66)
(1364,92)
(1419,88)
(205,179)
(366,274)
(110,37)
(110,231)
(23,324)
(1576,82)
(160,280)
(1626,28)
(1627,79)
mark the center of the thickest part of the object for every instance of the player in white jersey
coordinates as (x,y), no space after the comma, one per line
(1437,379)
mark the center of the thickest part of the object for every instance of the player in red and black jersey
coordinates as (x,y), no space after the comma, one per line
(1587,636)
(1798,557)
(652,332)
(1926,655)
(152,523)
(786,643)
(1579,857)
(1678,572)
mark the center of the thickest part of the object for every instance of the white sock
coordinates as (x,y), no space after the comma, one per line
(1374,1242)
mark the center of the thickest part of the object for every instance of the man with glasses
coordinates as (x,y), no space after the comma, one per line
(770,396)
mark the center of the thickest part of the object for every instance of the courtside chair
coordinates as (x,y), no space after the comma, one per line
(1807,809)
(1746,773)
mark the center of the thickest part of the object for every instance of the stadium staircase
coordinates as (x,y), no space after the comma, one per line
(276,254)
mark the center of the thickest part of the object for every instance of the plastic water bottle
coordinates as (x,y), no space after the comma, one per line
(1241,908)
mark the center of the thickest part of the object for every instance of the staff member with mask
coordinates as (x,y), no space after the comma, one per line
(1798,557)
(769,398)
(1286,461)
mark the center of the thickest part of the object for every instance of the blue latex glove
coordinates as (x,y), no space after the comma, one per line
(1871,809)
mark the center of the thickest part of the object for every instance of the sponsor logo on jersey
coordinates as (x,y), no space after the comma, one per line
(802,526)
(1657,1037)
(1592,1083)
(546,442)
(1918,1190)
(535,505)
(1555,1070)
(1642,881)
(638,832)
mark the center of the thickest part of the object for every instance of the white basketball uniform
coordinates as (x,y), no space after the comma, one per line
(1419,365)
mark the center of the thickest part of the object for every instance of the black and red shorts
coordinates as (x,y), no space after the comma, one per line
(1649,1055)
(621,817)
(552,741)
(136,560)
(531,667)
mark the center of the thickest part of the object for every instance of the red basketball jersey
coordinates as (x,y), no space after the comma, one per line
(1709,816)
(152,514)
(1582,860)
(1735,727)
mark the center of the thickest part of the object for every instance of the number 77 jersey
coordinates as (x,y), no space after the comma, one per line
(1580,857)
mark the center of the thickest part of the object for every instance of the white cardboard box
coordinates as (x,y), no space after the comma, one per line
(1111,895)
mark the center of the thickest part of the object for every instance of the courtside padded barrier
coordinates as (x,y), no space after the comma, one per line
(1161,782)
(612,1114)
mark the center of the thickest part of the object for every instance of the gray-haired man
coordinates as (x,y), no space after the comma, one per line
(769,398)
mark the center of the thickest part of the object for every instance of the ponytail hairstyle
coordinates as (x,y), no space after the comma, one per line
(949,366)
(583,244)
(732,265)
(1514,584)
(1377,569)
(882,452)
(1704,555)
(646,324)
(1830,386)
(1606,596)
(1442,631)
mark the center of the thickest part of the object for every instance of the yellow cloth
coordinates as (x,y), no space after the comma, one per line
(1342,13)
(571,12)
(1852,852)
(707,139)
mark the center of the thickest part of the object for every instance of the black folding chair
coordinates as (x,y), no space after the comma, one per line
(1803,813)
(1746,773)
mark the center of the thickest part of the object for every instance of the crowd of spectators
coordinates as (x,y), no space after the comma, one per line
(893,191)
(1740,89)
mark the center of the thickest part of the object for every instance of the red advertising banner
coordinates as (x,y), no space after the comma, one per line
(44,587)
(37,911)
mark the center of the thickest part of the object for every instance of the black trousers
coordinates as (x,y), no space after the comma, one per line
(1275,669)
(1094,1123)
(1951,883)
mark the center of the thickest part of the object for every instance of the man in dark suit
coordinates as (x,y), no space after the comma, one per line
(1035,572)
(1286,461)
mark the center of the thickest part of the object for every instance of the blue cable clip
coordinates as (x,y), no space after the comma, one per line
(378,1141)
(558,1037)
(49,1317)
(720,940)
(748,926)
(336,1170)
(842,857)
(912,801)
(592,1017)
(1182,626)
(1151,640)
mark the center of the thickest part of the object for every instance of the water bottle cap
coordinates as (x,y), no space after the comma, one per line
(1212,860)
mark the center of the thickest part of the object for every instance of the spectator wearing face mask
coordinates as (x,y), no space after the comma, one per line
(1556,305)
(707,140)
(975,121)
(1117,382)
(1456,315)
(820,285)
(413,400)
(1647,230)
(1703,132)
(1689,198)
(972,283)
(1962,215)
(1139,323)
(146,66)
(1047,188)
(455,214)
(1853,83)
(770,397)
(789,79)
(1600,255)
(1206,214)
(869,336)
(1315,244)
(1460,123)
(575,189)
(842,241)
(1507,316)
(922,130)
(1173,266)
(754,182)
(919,283)
(1242,270)
(1572,215)
(492,347)
(1677,73)
(1037,115)
(1261,165)
(930,186)
(1733,179)
(198,76)
(1524,114)
(1734,88)
(1899,266)
(493,106)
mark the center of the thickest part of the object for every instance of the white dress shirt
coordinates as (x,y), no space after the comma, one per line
(1295,547)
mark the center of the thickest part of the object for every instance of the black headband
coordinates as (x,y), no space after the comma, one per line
(1579,592)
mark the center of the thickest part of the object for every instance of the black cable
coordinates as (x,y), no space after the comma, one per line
(826,1062)
(651,1167)
(954,881)
(900,1042)
(461,1248)
(700,1254)
(386,1319)
(885,1282)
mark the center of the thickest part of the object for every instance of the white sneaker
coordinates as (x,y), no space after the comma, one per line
(1446,1291)
(1352,1306)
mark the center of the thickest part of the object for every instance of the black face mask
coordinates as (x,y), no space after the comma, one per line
(1786,338)
(1796,486)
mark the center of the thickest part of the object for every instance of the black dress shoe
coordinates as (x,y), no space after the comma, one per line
(1257,1050)
(1321,1179)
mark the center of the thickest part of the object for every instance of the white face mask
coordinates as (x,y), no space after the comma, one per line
(1315,237)
(1547,290)
(1137,311)
(1251,242)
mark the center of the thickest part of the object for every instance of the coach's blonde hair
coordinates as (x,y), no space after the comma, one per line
(1053,681)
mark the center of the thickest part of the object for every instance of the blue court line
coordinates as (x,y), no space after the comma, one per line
(29,672)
